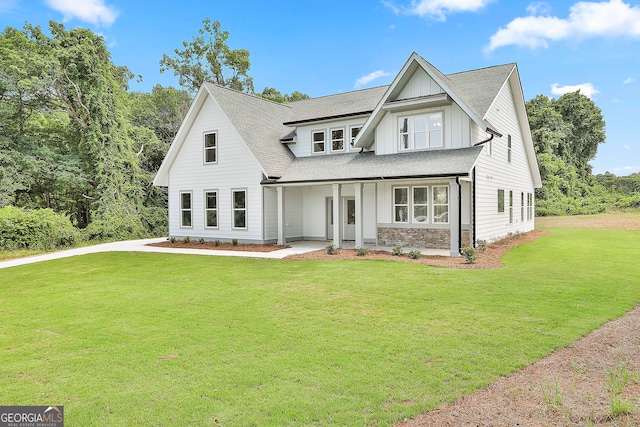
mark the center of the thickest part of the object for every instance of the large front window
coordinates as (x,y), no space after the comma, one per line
(421,204)
(239,208)
(420,132)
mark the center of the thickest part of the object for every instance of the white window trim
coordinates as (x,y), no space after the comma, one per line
(351,137)
(217,209)
(434,204)
(411,133)
(394,204)
(205,148)
(234,209)
(313,142)
(414,204)
(182,210)
(344,139)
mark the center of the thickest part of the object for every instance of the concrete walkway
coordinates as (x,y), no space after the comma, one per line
(141,246)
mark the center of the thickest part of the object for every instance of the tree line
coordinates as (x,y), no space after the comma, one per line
(76,141)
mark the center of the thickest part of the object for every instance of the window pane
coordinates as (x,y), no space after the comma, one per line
(401,196)
(210,140)
(441,195)
(420,123)
(420,140)
(420,213)
(318,147)
(186,218)
(435,139)
(402,213)
(354,133)
(420,195)
(441,214)
(404,142)
(500,200)
(239,219)
(351,212)
(212,202)
(210,155)
(186,200)
(435,122)
(404,125)
(212,218)
(238,199)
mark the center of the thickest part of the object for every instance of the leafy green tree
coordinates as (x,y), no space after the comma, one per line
(208,58)
(275,95)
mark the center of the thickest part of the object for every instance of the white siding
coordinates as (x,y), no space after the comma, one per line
(420,84)
(302,146)
(456,128)
(236,168)
(494,172)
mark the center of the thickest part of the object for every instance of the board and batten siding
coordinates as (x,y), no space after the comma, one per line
(420,84)
(236,168)
(494,172)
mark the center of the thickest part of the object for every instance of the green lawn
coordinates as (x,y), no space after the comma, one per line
(126,339)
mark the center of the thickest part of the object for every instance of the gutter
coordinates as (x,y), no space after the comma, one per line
(484,141)
(473,204)
(372,178)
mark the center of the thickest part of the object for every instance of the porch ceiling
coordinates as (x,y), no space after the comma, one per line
(369,166)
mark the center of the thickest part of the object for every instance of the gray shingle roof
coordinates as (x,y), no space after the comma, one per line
(368,165)
(260,123)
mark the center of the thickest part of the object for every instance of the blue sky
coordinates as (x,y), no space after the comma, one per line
(327,47)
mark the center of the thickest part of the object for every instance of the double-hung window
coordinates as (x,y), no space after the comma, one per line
(354,132)
(420,131)
(239,214)
(185,209)
(337,139)
(522,207)
(500,201)
(509,149)
(510,207)
(211,147)
(211,209)
(318,138)
(420,204)
(401,204)
(441,204)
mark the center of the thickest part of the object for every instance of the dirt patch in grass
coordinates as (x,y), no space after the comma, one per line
(489,258)
(223,246)
(580,385)
(609,221)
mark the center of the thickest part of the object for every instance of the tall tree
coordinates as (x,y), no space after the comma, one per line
(208,58)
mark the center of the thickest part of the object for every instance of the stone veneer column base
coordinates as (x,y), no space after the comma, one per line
(429,238)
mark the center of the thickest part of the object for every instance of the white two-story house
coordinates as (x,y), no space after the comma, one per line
(430,161)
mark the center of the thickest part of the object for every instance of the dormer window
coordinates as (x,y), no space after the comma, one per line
(318,138)
(420,131)
(337,140)
(354,132)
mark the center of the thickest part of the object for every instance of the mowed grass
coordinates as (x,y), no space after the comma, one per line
(128,339)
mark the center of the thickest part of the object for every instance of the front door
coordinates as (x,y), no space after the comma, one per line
(349,219)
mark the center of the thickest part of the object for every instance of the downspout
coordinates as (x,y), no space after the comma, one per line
(484,141)
(473,208)
(459,215)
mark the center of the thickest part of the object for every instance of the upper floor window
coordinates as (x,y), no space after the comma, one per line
(318,139)
(337,140)
(354,132)
(211,147)
(420,132)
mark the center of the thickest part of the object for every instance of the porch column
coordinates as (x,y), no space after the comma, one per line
(337,215)
(454,216)
(281,231)
(359,225)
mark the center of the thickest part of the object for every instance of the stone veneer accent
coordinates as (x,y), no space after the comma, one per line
(430,238)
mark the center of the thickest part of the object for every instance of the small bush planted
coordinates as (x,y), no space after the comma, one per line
(397,250)
(172,239)
(470,254)
(414,254)
(234,242)
(362,251)
(216,242)
(482,245)
(186,239)
(331,248)
(201,241)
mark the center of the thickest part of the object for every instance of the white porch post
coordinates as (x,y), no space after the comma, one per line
(454,216)
(359,225)
(337,215)
(281,231)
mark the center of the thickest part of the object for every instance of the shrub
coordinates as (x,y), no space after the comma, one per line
(414,254)
(216,242)
(35,229)
(482,245)
(114,228)
(397,250)
(331,248)
(201,241)
(187,239)
(172,239)
(470,254)
(362,251)
(234,242)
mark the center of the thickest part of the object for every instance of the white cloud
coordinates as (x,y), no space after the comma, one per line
(586,19)
(587,89)
(538,8)
(364,80)
(437,9)
(92,11)
(629,80)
